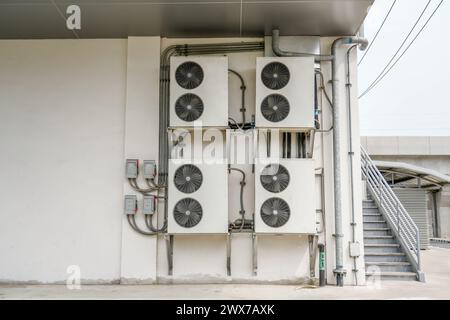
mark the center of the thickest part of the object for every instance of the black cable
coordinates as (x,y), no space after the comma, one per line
(376,34)
(398,50)
(398,59)
(243,88)
(242,183)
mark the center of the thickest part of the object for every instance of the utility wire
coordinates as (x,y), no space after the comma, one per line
(376,34)
(403,53)
(398,50)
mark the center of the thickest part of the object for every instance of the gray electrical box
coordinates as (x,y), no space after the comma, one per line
(130,204)
(148,207)
(149,169)
(132,168)
(354,249)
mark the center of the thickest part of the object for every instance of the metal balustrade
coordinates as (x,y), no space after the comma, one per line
(401,223)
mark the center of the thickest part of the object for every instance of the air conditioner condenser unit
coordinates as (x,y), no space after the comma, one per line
(197,197)
(285,197)
(199,91)
(285,93)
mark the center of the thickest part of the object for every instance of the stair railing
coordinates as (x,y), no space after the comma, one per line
(401,223)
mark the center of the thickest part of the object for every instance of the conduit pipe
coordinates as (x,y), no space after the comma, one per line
(339,271)
(351,153)
(281,53)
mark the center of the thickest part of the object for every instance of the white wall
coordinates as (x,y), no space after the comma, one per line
(68,213)
(61,141)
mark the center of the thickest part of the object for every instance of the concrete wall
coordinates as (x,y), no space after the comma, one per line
(71,111)
(62,112)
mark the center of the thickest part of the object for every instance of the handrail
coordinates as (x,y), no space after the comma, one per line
(401,223)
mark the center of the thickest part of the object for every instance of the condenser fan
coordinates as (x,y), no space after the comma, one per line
(188,178)
(189,75)
(189,107)
(275,212)
(275,108)
(188,212)
(275,75)
(274,178)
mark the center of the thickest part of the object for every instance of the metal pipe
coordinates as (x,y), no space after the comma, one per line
(281,53)
(339,271)
(351,153)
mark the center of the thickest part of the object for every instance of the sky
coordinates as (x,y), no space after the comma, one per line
(414,98)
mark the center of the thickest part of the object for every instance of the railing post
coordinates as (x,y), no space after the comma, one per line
(418,248)
(398,217)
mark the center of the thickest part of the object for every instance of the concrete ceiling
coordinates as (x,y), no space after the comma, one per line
(37,19)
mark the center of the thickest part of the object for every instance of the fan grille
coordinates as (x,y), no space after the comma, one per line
(188,178)
(275,75)
(275,212)
(275,178)
(189,75)
(188,212)
(275,108)
(189,107)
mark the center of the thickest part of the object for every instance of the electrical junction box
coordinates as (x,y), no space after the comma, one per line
(132,168)
(130,207)
(149,169)
(354,249)
(148,205)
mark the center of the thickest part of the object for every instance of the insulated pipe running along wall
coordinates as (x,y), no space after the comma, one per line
(337,166)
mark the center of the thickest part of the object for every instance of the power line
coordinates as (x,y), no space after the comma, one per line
(398,50)
(378,31)
(398,59)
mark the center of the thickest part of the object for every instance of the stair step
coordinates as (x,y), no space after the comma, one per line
(371,214)
(385,257)
(381,247)
(370,210)
(373,218)
(379,239)
(375,224)
(388,266)
(393,275)
(377,232)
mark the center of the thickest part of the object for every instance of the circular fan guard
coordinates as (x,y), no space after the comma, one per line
(189,107)
(275,178)
(188,178)
(275,108)
(275,212)
(275,75)
(189,75)
(188,212)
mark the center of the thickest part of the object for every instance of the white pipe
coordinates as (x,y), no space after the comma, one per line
(363,43)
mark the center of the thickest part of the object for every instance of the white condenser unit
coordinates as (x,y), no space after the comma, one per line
(199,91)
(285,93)
(198,198)
(284,197)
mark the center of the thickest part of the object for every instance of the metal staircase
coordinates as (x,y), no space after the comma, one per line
(391,238)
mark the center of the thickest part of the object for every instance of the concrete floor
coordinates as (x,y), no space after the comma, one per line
(436,264)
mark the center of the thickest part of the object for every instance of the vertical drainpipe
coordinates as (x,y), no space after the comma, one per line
(339,271)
